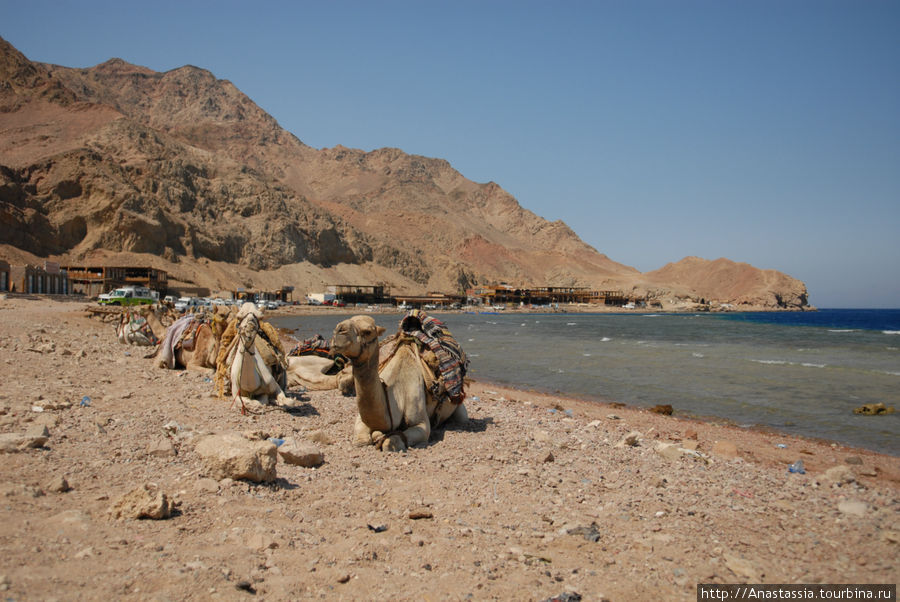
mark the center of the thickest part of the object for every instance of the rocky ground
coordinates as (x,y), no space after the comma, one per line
(535,497)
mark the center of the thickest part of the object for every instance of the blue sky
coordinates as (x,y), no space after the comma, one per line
(764,131)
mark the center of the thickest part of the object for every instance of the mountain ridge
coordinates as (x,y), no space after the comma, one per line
(118,160)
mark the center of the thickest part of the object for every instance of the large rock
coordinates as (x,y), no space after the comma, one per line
(146,501)
(230,455)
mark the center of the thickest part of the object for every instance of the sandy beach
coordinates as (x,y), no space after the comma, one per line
(536,496)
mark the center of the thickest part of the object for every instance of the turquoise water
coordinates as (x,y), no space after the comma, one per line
(798,373)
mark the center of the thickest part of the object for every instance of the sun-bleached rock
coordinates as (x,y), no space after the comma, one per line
(232,456)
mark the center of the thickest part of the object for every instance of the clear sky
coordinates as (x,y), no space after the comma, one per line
(764,131)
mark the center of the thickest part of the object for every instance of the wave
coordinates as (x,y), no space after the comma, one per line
(788,363)
(890,332)
(605,340)
(841,330)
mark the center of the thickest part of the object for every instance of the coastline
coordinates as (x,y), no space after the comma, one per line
(534,497)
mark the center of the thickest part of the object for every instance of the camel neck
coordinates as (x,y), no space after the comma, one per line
(371,398)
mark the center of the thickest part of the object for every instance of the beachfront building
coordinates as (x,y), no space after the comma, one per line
(91,281)
(285,294)
(367,294)
(46,279)
(4,277)
(429,300)
(503,294)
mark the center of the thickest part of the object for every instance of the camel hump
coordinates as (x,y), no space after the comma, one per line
(440,351)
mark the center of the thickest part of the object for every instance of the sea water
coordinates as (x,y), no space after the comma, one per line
(797,372)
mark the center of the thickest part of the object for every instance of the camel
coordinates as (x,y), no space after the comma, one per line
(191,342)
(395,407)
(140,327)
(310,364)
(251,380)
(311,372)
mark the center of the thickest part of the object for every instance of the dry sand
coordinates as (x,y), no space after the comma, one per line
(531,499)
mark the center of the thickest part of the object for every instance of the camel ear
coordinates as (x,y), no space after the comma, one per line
(379,330)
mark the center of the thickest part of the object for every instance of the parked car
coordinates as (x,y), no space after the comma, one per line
(187,303)
(129,295)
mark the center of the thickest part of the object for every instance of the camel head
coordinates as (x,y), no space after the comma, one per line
(248,324)
(356,338)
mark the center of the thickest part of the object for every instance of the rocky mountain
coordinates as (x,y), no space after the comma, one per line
(183,171)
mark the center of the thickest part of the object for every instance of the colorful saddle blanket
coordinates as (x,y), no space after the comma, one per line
(452,361)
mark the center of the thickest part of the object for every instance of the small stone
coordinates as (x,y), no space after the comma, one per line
(37,436)
(855,460)
(741,567)
(837,475)
(630,440)
(725,449)
(853,507)
(541,436)
(208,485)
(300,454)
(320,437)
(668,450)
(664,409)
(162,448)
(58,485)
(548,457)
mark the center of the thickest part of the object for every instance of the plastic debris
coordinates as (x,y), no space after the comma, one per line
(797,467)
(85,402)
(781,446)
(276,441)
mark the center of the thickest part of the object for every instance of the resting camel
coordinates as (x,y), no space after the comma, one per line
(250,376)
(191,342)
(311,371)
(395,410)
(140,327)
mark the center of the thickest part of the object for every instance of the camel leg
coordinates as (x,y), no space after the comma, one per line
(460,415)
(417,417)
(269,385)
(362,435)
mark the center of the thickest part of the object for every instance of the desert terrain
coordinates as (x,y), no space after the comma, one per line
(537,496)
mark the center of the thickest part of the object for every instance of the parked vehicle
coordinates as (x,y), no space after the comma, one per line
(129,295)
(187,303)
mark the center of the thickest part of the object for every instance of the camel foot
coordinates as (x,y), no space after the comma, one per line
(248,405)
(394,443)
(283,401)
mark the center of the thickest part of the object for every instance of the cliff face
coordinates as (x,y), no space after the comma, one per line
(118,160)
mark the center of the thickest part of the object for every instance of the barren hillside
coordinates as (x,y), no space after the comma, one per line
(183,171)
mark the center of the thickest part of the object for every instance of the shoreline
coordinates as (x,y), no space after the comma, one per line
(535,496)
